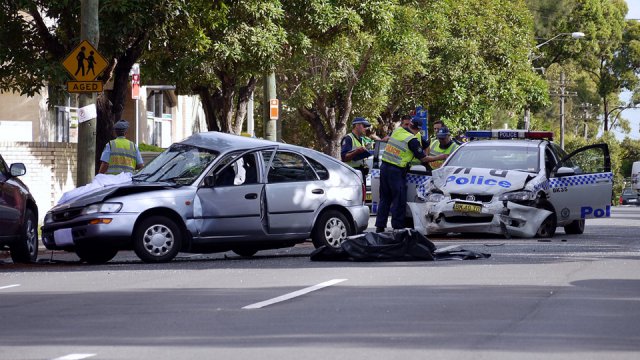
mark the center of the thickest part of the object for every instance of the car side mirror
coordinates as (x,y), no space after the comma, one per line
(565,171)
(18,169)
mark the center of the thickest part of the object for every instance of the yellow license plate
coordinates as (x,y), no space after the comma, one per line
(467,208)
(368,197)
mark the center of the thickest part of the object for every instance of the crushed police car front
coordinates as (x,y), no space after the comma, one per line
(517,183)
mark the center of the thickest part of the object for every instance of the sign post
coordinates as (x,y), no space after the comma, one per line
(135,91)
(274,109)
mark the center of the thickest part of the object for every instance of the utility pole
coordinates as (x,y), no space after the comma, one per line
(562,95)
(270,132)
(90,31)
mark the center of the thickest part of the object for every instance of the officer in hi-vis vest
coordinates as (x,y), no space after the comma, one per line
(403,146)
(120,155)
(353,151)
(444,146)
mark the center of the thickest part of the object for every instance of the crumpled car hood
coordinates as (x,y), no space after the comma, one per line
(104,193)
(460,180)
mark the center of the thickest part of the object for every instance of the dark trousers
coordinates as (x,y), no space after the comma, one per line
(393,196)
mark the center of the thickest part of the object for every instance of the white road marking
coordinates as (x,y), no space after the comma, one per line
(8,286)
(75,356)
(291,295)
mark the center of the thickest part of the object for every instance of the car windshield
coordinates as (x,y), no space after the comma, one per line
(628,192)
(521,158)
(180,164)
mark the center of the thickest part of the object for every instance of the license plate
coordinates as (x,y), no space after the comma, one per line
(467,208)
(368,197)
(633,200)
(63,237)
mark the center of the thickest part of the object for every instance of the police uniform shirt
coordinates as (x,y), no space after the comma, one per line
(416,149)
(106,154)
(347,145)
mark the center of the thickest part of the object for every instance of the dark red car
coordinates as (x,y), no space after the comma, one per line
(18,214)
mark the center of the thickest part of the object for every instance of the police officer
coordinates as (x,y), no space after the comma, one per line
(444,146)
(403,146)
(120,155)
(353,151)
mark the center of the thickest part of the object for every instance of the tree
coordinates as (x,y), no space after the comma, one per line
(611,54)
(219,50)
(36,35)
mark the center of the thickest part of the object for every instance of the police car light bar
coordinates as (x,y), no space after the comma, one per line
(509,134)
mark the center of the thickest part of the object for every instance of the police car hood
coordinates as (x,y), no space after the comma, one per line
(480,181)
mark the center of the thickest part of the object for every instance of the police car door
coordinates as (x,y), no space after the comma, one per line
(581,183)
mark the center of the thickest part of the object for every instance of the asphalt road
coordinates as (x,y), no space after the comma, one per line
(570,297)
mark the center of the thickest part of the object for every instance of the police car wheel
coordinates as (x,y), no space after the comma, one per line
(576,227)
(157,239)
(548,227)
(331,229)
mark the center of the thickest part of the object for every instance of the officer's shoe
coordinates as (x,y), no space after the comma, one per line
(379,229)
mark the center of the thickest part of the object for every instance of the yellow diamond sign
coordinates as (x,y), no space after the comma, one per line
(85,63)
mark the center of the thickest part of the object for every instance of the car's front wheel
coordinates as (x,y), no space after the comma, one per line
(157,239)
(548,227)
(331,229)
(25,250)
(576,227)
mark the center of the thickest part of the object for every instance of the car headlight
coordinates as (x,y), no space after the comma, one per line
(48,218)
(435,197)
(517,196)
(102,208)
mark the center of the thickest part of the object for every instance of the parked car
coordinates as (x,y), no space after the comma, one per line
(629,197)
(214,192)
(18,214)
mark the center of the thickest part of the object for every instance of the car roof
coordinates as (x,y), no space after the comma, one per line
(224,143)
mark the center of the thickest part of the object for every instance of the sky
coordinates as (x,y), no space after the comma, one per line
(633,115)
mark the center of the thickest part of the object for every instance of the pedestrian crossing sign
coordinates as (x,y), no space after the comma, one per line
(85,63)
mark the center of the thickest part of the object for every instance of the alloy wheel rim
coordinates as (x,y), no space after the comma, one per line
(32,238)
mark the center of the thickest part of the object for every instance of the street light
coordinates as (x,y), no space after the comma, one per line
(575,35)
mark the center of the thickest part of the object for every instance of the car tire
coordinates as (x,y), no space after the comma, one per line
(576,227)
(331,228)
(246,252)
(25,250)
(157,240)
(548,227)
(95,255)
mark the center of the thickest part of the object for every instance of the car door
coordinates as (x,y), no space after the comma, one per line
(293,193)
(581,184)
(230,202)
(9,209)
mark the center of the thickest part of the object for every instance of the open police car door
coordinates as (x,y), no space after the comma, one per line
(582,183)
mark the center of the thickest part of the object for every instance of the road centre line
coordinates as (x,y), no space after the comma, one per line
(294,294)
(8,286)
(75,356)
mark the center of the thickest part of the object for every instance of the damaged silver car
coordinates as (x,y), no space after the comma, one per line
(214,192)
(516,183)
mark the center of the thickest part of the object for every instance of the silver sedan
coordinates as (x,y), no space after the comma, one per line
(214,192)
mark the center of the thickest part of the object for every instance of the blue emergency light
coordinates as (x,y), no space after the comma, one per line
(509,134)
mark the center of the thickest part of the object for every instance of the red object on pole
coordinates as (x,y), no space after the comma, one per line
(135,86)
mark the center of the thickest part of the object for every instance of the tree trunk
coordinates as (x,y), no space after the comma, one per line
(211,104)
(228,94)
(244,94)
(606,114)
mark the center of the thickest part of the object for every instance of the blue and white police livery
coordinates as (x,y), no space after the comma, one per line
(516,183)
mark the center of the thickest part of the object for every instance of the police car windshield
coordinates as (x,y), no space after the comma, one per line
(521,158)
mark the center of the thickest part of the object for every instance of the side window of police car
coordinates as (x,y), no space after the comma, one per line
(288,167)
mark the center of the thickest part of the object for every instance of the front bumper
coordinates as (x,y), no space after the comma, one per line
(69,234)
(440,218)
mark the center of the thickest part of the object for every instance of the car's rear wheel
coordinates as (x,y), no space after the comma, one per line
(331,229)
(95,255)
(246,252)
(548,227)
(157,239)
(576,227)
(25,250)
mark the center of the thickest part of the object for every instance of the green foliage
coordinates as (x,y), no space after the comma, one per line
(148,147)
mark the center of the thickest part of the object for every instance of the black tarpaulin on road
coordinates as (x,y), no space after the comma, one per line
(398,245)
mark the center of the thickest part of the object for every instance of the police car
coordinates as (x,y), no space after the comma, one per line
(514,182)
